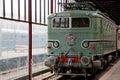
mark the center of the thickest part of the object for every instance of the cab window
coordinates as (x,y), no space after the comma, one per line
(80,22)
(61,22)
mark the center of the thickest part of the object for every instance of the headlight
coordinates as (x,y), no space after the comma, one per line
(56,44)
(85,44)
(85,60)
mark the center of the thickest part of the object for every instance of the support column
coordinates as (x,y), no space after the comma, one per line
(30,39)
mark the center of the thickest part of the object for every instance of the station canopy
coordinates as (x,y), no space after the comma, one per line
(110,7)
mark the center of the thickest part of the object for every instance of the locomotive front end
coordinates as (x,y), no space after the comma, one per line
(68,46)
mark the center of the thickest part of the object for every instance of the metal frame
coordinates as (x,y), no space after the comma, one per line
(29,18)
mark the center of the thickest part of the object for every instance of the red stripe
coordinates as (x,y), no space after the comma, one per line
(65,59)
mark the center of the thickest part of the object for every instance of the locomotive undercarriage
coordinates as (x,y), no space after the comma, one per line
(69,68)
(74,69)
(106,59)
(77,68)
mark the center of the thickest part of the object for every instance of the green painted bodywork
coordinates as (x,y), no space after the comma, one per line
(101,28)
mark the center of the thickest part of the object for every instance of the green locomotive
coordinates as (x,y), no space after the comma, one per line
(81,40)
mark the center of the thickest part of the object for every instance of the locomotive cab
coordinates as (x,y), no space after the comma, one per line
(69,46)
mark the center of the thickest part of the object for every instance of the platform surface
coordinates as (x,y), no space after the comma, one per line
(113,73)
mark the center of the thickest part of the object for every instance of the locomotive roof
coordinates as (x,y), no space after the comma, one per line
(73,13)
(82,5)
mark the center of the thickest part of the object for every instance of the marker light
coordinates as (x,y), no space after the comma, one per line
(56,44)
(93,47)
(85,44)
(48,46)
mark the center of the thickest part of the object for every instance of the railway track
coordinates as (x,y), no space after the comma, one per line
(47,76)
